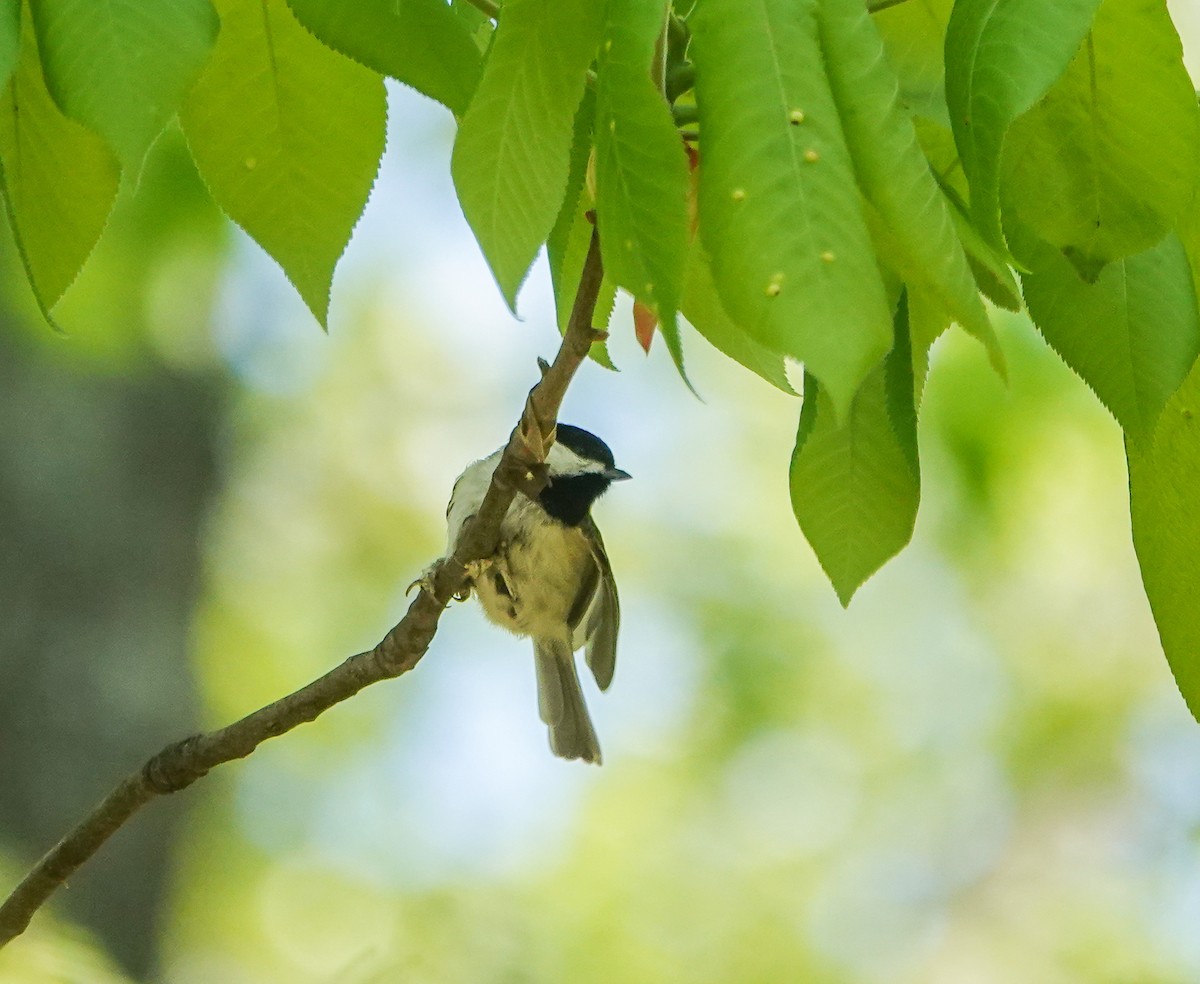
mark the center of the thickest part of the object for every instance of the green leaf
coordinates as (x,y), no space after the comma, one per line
(1001,57)
(122,67)
(914,39)
(567,245)
(704,312)
(512,153)
(10,38)
(287,135)
(989,266)
(1104,163)
(1131,336)
(856,486)
(893,173)
(780,211)
(60,181)
(1163,483)
(423,43)
(641,169)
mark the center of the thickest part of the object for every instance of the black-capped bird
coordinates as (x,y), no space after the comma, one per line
(550,578)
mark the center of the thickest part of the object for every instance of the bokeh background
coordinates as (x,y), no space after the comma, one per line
(982,772)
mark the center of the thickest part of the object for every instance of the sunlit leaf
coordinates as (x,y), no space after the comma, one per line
(423,43)
(1104,163)
(122,67)
(60,181)
(1001,57)
(287,135)
(512,153)
(780,210)
(893,173)
(1131,336)
(1163,483)
(856,484)
(641,168)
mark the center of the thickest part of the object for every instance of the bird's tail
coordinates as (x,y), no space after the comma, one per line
(560,703)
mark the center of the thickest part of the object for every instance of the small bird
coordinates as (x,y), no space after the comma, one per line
(550,578)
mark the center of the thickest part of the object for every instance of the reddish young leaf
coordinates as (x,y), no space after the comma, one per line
(645,322)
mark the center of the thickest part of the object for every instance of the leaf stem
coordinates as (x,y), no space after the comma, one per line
(874,6)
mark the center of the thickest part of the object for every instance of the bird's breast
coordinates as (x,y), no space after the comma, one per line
(534,578)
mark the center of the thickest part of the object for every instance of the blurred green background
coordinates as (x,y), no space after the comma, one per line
(980,773)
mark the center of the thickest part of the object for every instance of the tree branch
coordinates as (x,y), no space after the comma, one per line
(182,763)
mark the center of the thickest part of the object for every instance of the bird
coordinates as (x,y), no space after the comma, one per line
(550,578)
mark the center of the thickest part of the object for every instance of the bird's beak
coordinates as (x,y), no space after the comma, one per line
(617,475)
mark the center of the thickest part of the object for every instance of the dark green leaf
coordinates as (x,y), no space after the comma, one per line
(423,43)
(513,149)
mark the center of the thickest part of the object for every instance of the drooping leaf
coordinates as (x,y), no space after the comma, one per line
(780,210)
(122,67)
(1001,57)
(893,173)
(422,43)
(60,181)
(287,135)
(1104,163)
(10,38)
(702,308)
(1131,336)
(856,484)
(641,168)
(512,153)
(1163,482)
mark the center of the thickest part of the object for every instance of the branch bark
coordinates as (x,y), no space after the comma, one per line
(179,765)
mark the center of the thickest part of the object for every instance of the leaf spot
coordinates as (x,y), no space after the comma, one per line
(811,156)
(828,256)
(251,163)
(796,117)
(775,285)
(739,194)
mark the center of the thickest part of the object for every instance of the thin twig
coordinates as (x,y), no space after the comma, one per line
(182,763)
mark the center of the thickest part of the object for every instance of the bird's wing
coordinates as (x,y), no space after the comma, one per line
(596,614)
